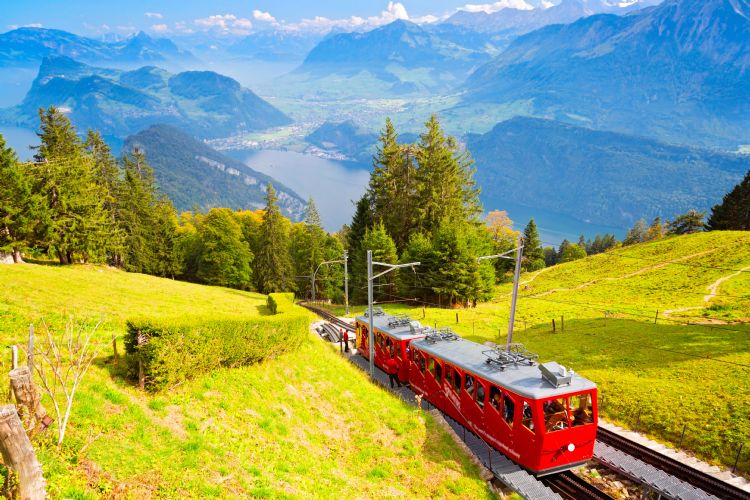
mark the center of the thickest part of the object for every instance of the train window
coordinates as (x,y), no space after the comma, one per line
(389,345)
(509,407)
(456,381)
(495,398)
(469,384)
(438,372)
(528,417)
(480,394)
(449,376)
(431,366)
(420,361)
(583,412)
(556,414)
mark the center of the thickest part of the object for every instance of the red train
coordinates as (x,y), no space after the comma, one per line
(542,416)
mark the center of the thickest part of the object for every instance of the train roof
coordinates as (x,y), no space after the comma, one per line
(400,327)
(529,379)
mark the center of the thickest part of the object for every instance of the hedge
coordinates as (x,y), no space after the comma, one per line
(170,351)
(280,303)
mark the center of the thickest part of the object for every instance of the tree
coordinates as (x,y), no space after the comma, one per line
(533,254)
(655,230)
(446,188)
(504,238)
(570,251)
(272,263)
(224,256)
(20,206)
(363,219)
(636,234)
(383,250)
(550,256)
(687,223)
(76,224)
(733,213)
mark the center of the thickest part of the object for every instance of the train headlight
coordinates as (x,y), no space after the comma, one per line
(571,447)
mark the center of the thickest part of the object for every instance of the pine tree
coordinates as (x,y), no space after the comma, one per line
(636,234)
(363,218)
(533,254)
(655,230)
(687,223)
(75,226)
(272,263)
(383,250)
(733,213)
(20,207)
(446,189)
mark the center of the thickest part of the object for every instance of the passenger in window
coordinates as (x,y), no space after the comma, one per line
(469,385)
(508,409)
(528,416)
(480,395)
(495,397)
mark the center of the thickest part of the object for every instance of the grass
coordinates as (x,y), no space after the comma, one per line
(304,424)
(660,376)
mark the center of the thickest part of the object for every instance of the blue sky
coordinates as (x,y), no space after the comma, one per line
(175,17)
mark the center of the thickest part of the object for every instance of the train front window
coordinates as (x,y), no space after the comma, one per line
(495,397)
(583,411)
(556,416)
(528,417)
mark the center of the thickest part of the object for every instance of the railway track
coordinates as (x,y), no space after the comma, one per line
(572,487)
(699,479)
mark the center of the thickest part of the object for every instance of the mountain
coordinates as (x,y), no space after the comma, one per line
(400,57)
(677,72)
(345,138)
(276,45)
(191,173)
(518,21)
(600,177)
(24,46)
(119,103)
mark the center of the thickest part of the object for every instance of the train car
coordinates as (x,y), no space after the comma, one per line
(392,335)
(542,416)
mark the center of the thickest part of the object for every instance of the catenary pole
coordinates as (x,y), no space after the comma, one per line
(346,282)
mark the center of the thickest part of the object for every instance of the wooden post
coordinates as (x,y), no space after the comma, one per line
(13,357)
(18,455)
(657,316)
(456,318)
(554,329)
(116,356)
(29,398)
(30,353)
(424,313)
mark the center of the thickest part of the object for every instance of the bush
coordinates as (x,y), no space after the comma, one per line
(280,303)
(171,351)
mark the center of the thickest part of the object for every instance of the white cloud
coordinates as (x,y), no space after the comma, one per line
(154,15)
(489,8)
(393,11)
(227,24)
(159,28)
(265,17)
(31,25)
(182,27)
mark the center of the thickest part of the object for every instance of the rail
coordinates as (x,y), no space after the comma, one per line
(709,484)
(572,487)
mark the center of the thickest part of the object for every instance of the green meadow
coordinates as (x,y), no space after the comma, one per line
(303,424)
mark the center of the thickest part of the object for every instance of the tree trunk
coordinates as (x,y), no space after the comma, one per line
(18,455)
(63,257)
(17,256)
(28,396)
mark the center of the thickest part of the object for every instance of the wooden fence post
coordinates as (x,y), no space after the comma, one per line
(657,316)
(456,318)
(18,455)
(554,329)
(116,356)
(29,398)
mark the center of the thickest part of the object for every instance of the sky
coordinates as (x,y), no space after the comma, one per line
(227,17)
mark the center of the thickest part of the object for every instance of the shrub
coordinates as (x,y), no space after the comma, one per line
(280,303)
(171,351)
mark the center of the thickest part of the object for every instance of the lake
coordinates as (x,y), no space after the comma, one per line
(20,139)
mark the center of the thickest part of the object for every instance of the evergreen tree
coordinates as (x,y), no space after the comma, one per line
(411,284)
(106,173)
(733,213)
(533,254)
(446,189)
(20,207)
(76,225)
(272,263)
(224,256)
(383,250)
(687,223)
(569,252)
(550,256)
(363,218)
(636,234)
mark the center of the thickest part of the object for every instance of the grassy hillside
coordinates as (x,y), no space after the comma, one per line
(304,424)
(671,373)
